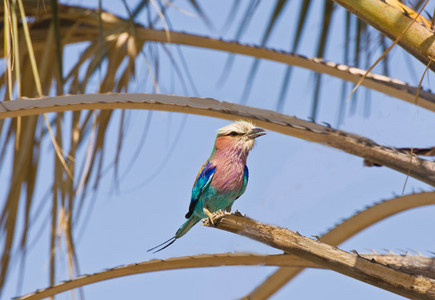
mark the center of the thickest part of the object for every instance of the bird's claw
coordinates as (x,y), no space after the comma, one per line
(209,214)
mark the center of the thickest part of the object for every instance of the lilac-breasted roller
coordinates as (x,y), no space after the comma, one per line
(223,177)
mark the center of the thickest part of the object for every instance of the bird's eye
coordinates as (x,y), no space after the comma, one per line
(233,133)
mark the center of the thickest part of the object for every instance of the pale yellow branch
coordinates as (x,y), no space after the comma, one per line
(412,264)
(392,22)
(326,256)
(343,232)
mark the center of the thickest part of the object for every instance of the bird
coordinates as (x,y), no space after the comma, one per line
(222,178)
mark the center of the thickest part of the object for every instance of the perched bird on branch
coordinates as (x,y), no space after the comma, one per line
(223,177)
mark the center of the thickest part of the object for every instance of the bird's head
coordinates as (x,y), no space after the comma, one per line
(240,135)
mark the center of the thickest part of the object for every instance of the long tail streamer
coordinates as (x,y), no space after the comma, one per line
(168,243)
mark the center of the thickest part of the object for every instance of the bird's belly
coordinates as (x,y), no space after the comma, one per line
(214,202)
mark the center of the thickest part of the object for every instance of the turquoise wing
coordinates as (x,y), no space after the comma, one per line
(202,182)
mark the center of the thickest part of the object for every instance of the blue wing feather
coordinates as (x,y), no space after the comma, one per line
(205,175)
(245,181)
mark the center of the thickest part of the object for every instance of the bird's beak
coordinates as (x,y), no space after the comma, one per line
(256,132)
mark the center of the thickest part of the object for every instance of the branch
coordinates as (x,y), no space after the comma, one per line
(386,85)
(411,264)
(326,256)
(416,264)
(401,161)
(176,263)
(344,231)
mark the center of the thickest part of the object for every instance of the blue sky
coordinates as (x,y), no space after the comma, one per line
(293,183)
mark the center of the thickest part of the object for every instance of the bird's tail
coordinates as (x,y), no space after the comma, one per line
(180,232)
(186,226)
(163,245)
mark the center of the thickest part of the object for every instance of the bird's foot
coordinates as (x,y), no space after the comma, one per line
(212,217)
(209,214)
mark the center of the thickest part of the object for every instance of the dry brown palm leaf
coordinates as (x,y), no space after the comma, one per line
(198,261)
(413,264)
(40,81)
(418,168)
(22,175)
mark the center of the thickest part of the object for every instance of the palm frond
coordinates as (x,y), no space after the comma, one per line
(278,9)
(58,40)
(344,231)
(394,158)
(299,29)
(415,265)
(328,9)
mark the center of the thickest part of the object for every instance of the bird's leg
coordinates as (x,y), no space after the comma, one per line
(209,214)
(228,208)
